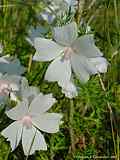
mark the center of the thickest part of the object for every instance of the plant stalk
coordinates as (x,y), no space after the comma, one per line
(71,115)
(111,113)
(79,10)
(30,63)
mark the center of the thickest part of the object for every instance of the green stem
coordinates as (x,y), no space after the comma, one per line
(7,155)
(30,63)
(31,146)
(71,131)
(116,15)
(118,147)
(5,14)
(79,10)
(111,113)
(91,4)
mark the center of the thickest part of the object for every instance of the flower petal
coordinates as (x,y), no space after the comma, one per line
(13,134)
(65,35)
(38,31)
(3,60)
(32,140)
(85,46)
(30,93)
(69,89)
(14,81)
(58,70)
(13,67)
(46,49)
(41,103)
(24,83)
(100,63)
(19,111)
(48,122)
(79,68)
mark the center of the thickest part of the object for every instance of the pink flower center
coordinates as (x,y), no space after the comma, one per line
(4,88)
(27,121)
(67,52)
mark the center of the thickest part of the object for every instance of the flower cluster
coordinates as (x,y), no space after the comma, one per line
(29,114)
(69,55)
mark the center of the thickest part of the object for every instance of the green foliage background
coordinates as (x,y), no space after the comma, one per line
(90,124)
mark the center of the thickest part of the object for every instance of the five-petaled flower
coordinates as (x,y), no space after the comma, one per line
(69,53)
(29,119)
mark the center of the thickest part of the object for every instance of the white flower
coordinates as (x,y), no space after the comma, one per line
(68,51)
(29,119)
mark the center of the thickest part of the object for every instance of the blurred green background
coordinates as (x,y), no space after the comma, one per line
(91,122)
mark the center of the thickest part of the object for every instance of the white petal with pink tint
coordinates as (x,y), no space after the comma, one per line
(41,104)
(58,70)
(13,133)
(19,111)
(46,49)
(32,140)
